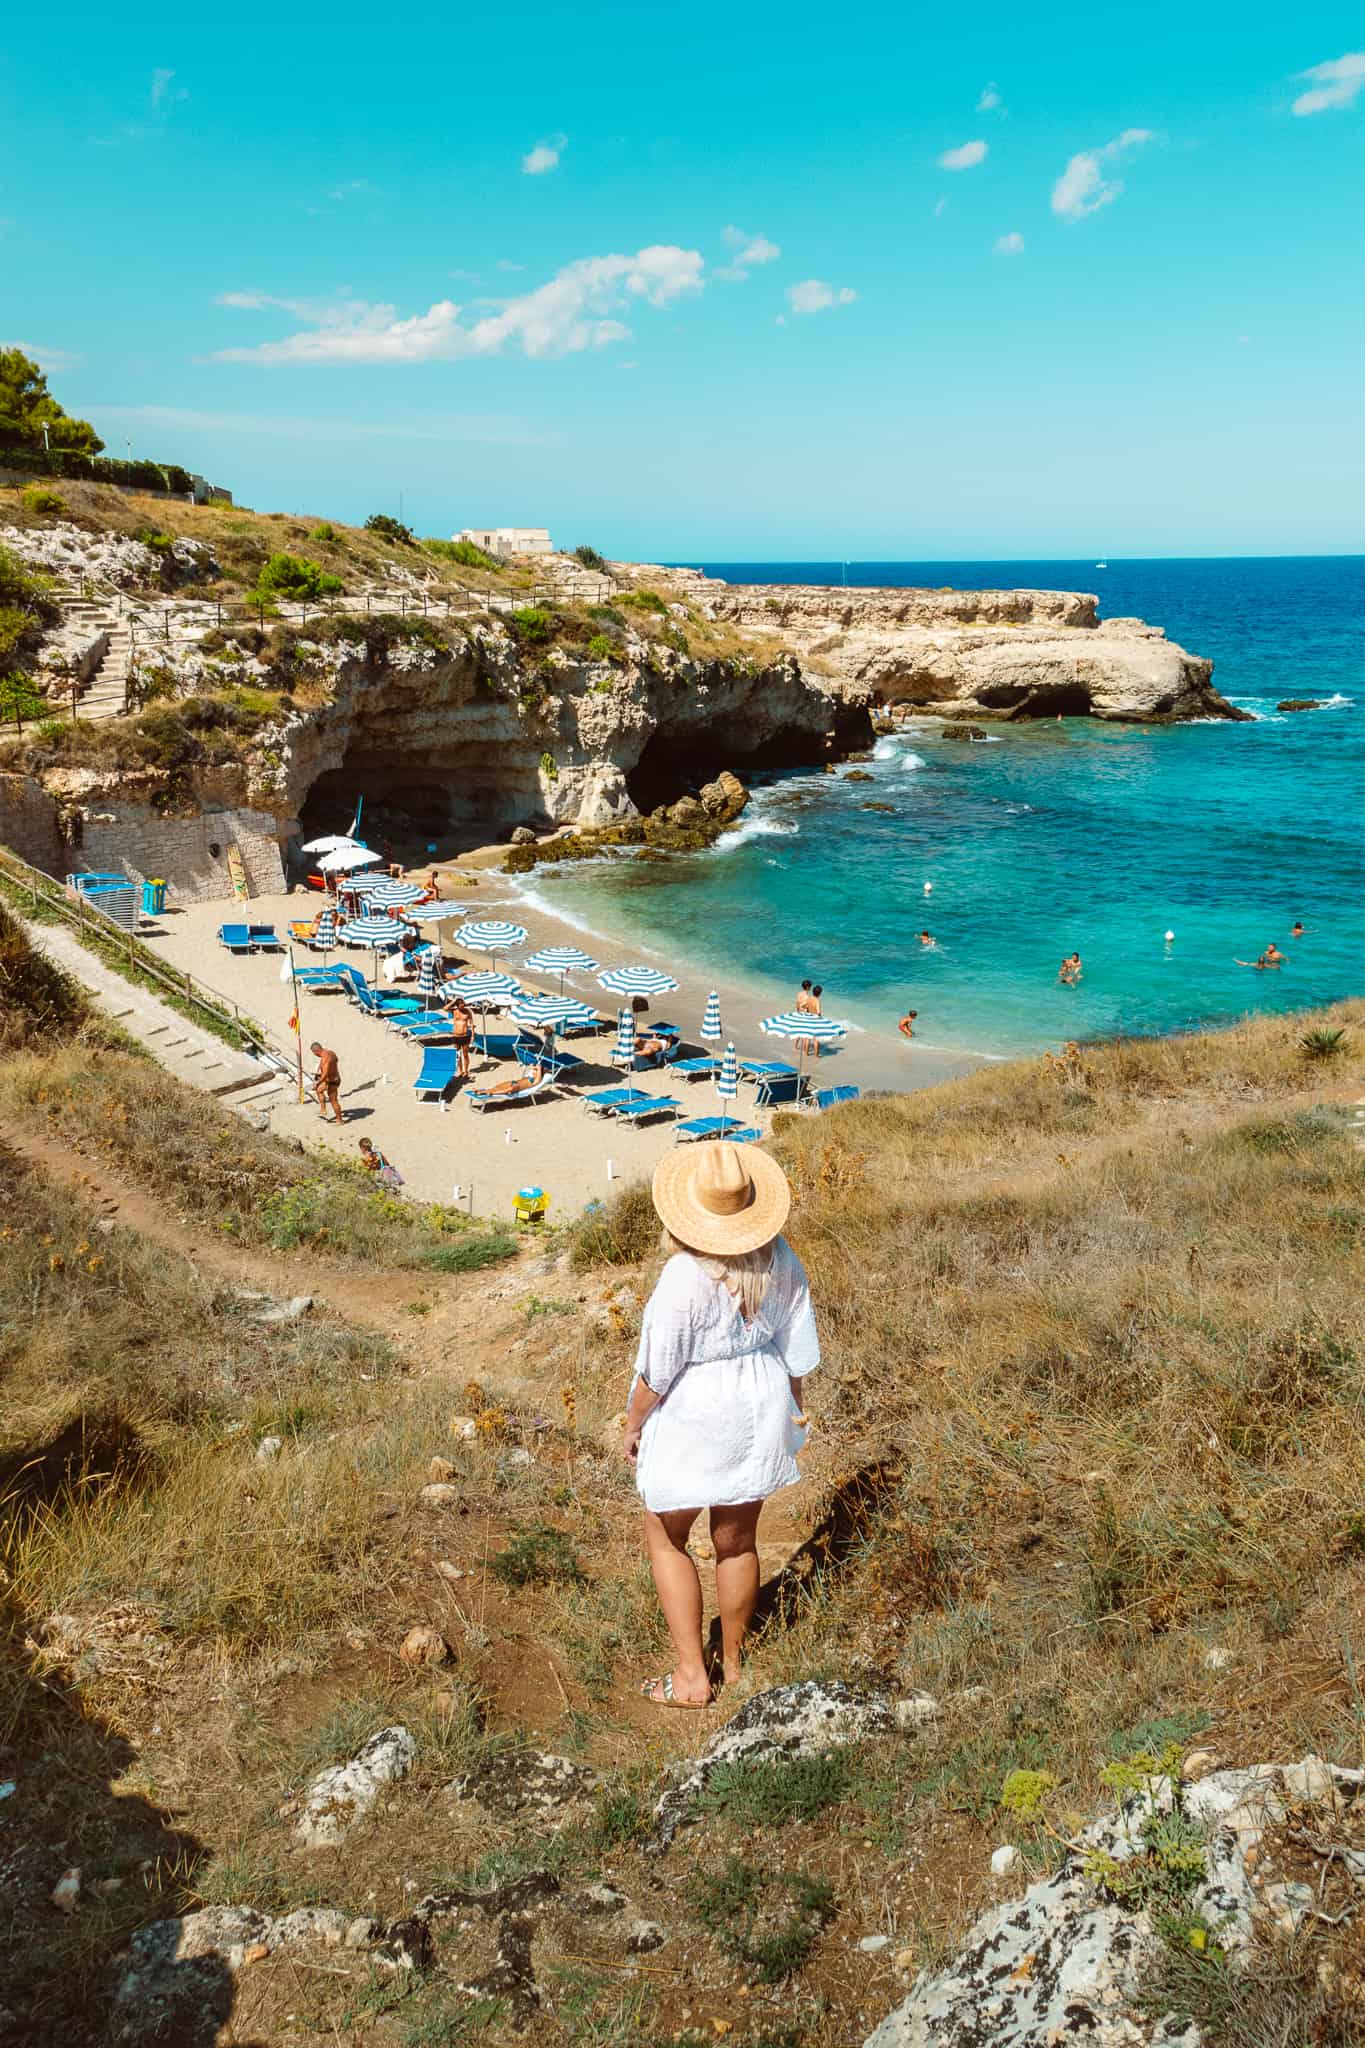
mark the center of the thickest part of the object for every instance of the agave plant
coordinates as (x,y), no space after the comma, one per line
(1324,1045)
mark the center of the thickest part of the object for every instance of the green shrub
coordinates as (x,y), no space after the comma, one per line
(532,624)
(741,1905)
(538,1553)
(385,528)
(159,543)
(643,601)
(472,1254)
(37,498)
(20,699)
(621,1234)
(294,576)
(1324,1045)
(591,559)
(325,532)
(602,647)
(462,551)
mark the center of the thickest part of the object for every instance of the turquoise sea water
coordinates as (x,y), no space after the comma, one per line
(1057,836)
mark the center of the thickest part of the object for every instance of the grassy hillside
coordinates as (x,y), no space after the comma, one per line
(1086,1467)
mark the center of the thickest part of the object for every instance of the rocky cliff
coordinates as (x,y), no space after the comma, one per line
(987,653)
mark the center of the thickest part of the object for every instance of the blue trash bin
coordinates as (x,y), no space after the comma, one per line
(153,898)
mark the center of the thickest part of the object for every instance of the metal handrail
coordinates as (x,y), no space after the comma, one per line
(84,916)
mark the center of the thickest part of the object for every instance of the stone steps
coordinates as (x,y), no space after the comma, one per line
(181,1047)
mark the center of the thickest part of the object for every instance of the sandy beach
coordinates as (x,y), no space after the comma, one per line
(554,1143)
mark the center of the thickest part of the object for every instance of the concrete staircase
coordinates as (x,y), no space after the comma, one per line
(105,695)
(184,1049)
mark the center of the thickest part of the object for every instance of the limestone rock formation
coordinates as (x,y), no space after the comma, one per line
(1009,653)
(344,1793)
(1066,1962)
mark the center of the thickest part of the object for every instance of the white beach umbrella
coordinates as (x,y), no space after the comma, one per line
(636,981)
(329,843)
(710,1023)
(345,860)
(561,960)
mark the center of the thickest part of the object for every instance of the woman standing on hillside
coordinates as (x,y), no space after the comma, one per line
(715,1418)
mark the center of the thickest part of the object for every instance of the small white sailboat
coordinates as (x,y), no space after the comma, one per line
(1101,565)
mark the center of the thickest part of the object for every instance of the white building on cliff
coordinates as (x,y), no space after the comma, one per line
(509,540)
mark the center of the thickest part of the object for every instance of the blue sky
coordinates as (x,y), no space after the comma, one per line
(706,283)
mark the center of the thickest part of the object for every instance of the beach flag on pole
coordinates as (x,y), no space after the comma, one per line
(710,1023)
(623,1052)
(727,1079)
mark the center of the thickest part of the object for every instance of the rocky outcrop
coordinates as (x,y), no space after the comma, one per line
(467,732)
(1002,653)
(116,560)
(1071,1959)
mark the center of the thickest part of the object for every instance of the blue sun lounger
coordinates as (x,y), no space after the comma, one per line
(321,980)
(776,1089)
(555,1063)
(757,1070)
(423,1030)
(438,1070)
(825,1098)
(605,1101)
(700,1069)
(236,937)
(647,1106)
(715,1127)
(265,938)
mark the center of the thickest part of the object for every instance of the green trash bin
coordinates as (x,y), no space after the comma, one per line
(153,898)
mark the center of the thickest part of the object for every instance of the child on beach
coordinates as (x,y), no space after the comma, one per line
(906,1027)
(374,1162)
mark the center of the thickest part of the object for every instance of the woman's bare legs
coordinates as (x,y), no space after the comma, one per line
(734,1532)
(679,1590)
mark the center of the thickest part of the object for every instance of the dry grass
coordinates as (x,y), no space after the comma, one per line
(251,1188)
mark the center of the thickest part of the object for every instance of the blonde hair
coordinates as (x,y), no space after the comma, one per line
(746,1274)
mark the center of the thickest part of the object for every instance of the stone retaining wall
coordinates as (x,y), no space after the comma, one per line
(28,824)
(189,853)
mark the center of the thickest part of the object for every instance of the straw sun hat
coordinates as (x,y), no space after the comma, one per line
(717,1199)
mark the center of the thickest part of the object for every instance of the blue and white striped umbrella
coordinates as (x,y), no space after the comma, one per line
(534,1012)
(369,931)
(433,913)
(326,933)
(636,981)
(375,932)
(727,1079)
(561,960)
(426,975)
(490,935)
(710,1023)
(623,1052)
(383,895)
(795,1024)
(482,985)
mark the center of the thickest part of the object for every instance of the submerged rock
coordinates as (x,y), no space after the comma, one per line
(1300,704)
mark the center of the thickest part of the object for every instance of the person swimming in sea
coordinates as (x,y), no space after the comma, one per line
(1297,932)
(1069,973)
(1260,965)
(928,941)
(1272,956)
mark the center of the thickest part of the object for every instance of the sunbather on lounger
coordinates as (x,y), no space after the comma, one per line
(529,1077)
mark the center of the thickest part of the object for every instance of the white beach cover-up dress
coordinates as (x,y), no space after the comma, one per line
(725,1428)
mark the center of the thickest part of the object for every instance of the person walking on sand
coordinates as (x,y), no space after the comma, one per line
(462,1032)
(327,1082)
(714,1420)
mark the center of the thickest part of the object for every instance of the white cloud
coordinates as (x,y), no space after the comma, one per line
(814,296)
(575,310)
(1010,245)
(495,429)
(965,158)
(747,253)
(1336,84)
(544,157)
(504,264)
(989,100)
(50,359)
(1083,186)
